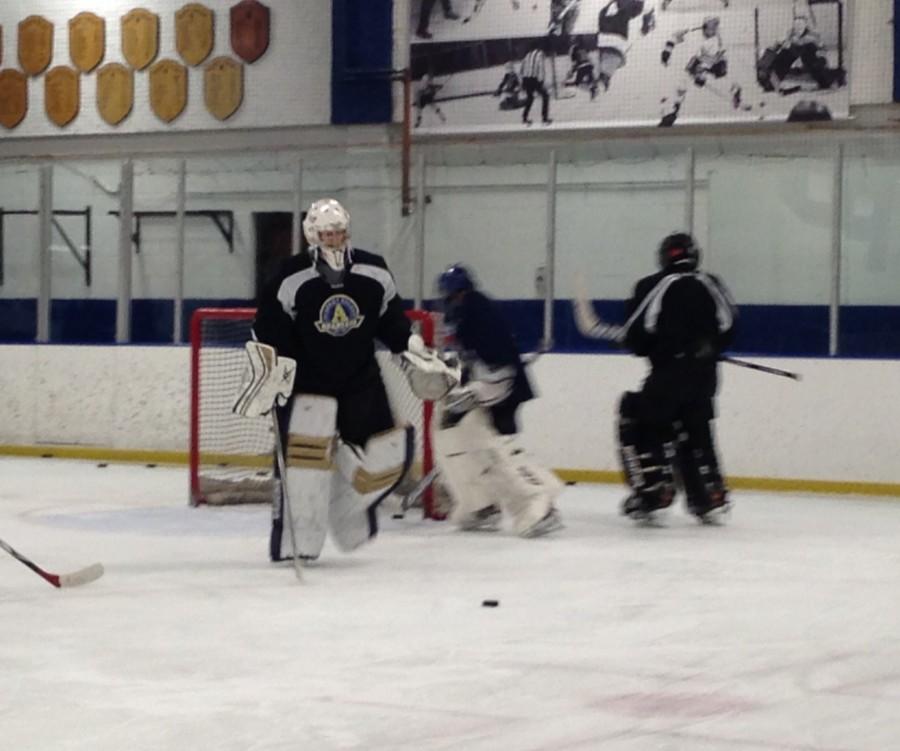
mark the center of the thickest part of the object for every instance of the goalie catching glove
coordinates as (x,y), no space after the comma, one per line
(268,380)
(430,377)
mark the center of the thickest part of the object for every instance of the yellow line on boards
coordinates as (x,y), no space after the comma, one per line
(138,456)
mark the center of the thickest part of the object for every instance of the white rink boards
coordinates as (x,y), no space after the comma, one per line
(779,631)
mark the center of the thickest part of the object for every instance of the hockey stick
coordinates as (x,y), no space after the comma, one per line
(418,490)
(285,500)
(761,368)
(75,579)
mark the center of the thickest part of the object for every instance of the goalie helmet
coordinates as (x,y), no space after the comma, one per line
(679,249)
(322,216)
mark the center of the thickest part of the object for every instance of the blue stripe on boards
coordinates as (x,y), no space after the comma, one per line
(779,330)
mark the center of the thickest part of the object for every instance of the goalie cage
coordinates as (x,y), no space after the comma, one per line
(232,457)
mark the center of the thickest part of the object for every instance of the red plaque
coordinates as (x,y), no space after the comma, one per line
(249,30)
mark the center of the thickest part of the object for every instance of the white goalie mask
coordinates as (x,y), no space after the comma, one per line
(327,215)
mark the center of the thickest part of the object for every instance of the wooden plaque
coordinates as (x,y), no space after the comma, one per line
(87,41)
(115,92)
(223,86)
(140,37)
(194,33)
(62,94)
(168,89)
(35,44)
(249,30)
(13,97)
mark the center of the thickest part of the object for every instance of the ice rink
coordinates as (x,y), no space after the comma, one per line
(780,631)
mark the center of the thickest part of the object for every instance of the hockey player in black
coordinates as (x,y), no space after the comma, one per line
(325,309)
(478,451)
(680,319)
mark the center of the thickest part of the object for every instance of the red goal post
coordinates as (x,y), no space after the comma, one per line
(231,457)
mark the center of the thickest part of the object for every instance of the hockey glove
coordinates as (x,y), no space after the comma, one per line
(429,377)
(267,381)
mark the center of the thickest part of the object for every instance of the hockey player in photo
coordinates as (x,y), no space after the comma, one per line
(324,310)
(613,30)
(510,88)
(426,98)
(581,72)
(425,9)
(487,472)
(799,61)
(680,318)
(706,65)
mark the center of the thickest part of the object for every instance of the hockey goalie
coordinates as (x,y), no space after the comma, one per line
(314,362)
(478,448)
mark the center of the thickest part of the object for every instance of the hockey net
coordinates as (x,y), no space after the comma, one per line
(231,457)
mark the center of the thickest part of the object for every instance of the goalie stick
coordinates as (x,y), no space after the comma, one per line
(285,499)
(74,579)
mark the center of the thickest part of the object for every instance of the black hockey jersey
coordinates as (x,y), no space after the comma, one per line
(482,333)
(685,315)
(328,321)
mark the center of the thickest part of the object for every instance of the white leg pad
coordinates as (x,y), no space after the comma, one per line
(309,458)
(463,453)
(364,478)
(530,489)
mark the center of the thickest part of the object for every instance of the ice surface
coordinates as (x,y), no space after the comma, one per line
(780,631)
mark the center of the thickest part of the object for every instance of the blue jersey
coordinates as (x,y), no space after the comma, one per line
(483,336)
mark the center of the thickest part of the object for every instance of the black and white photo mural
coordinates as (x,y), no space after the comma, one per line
(511,64)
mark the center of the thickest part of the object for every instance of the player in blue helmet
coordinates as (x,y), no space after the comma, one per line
(478,450)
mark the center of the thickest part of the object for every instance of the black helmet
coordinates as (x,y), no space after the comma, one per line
(679,249)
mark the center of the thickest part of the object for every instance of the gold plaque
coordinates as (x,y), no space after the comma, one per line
(194,33)
(13,97)
(140,37)
(61,94)
(168,89)
(35,44)
(223,86)
(87,41)
(115,92)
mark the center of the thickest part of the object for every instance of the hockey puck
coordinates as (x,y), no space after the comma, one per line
(490,603)
(398,516)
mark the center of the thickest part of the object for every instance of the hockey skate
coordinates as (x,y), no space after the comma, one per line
(713,513)
(550,522)
(486,519)
(645,510)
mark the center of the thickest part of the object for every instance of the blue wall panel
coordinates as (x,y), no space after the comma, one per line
(362,58)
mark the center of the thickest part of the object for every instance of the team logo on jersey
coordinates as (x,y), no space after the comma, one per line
(338,316)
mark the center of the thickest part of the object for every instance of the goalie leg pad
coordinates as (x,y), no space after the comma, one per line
(647,454)
(528,489)
(699,468)
(364,478)
(309,461)
(463,453)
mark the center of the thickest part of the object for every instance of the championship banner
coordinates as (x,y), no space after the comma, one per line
(487,65)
